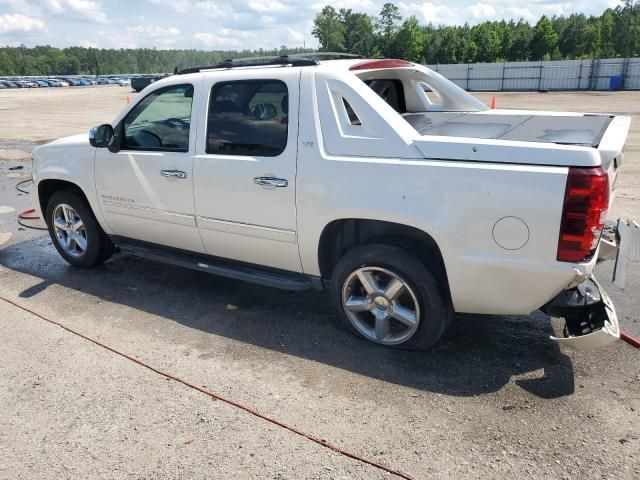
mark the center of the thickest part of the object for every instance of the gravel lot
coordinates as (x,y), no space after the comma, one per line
(496,399)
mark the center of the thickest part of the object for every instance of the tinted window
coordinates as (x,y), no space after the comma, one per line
(391,91)
(248,118)
(161,121)
(353,116)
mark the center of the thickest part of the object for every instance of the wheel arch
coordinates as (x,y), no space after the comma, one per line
(339,236)
(47,187)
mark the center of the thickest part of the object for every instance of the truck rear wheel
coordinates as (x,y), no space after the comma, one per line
(75,232)
(388,296)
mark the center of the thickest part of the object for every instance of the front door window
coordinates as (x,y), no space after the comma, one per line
(161,121)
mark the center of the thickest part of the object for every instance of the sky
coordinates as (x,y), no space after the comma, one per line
(232,25)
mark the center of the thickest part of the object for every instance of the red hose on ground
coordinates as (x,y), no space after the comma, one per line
(629,339)
(320,441)
(23,214)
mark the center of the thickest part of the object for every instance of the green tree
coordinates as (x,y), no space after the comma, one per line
(358,32)
(387,23)
(630,27)
(593,40)
(544,40)
(447,46)
(409,40)
(329,30)
(7,66)
(466,47)
(607,34)
(522,34)
(487,38)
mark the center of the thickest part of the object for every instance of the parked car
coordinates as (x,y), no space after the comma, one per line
(139,83)
(84,82)
(41,83)
(345,175)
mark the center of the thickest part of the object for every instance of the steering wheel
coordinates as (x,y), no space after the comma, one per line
(176,122)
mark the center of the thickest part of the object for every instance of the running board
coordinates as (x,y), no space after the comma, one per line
(226,268)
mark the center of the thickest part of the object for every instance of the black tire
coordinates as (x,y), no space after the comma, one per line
(434,312)
(99,247)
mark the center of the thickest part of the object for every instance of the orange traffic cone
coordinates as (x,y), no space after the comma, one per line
(129,99)
(493,103)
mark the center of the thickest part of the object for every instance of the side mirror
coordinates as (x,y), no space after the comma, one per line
(102,136)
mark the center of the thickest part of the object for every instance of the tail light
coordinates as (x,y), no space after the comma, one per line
(585,209)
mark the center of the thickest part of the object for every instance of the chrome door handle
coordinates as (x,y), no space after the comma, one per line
(173,173)
(271,181)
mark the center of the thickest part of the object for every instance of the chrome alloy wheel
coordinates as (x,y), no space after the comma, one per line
(380,305)
(69,230)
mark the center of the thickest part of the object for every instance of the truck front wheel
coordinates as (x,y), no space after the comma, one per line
(388,296)
(75,232)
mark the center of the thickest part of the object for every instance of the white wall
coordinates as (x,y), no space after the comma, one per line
(558,75)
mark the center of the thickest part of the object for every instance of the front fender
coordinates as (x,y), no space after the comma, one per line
(70,160)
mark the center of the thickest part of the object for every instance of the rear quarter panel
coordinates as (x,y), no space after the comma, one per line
(458,203)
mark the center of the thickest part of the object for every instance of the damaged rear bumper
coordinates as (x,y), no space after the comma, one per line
(590,317)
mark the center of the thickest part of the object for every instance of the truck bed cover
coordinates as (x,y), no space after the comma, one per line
(586,130)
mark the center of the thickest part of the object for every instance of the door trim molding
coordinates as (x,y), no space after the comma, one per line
(247,229)
(149,213)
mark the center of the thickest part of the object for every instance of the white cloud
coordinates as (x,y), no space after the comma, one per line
(176,6)
(85,10)
(223,38)
(153,36)
(365,6)
(430,13)
(154,31)
(482,11)
(13,23)
(267,6)
(295,37)
(207,8)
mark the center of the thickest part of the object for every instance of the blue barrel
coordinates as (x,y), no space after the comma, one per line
(615,82)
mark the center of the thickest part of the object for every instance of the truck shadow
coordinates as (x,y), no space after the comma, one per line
(479,354)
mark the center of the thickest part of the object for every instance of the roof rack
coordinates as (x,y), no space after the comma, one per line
(283,60)
(329,55)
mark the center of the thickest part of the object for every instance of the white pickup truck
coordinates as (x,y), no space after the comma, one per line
(377,180)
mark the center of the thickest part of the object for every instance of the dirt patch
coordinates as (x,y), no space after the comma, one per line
(46,114)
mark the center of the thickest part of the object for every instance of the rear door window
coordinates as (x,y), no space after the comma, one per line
(248,118)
